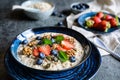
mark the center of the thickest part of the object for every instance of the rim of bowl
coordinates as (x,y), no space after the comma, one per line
(29,2)
(52,27)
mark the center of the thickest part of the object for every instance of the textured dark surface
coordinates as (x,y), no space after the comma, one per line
(13,23)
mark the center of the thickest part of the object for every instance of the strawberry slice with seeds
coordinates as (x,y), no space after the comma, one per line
(44,49)
(59,48)
(67,45)
(35,52)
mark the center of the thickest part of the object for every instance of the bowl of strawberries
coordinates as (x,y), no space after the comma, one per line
(99,21)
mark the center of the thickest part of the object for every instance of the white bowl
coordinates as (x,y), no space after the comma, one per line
(78,7)
(36,13)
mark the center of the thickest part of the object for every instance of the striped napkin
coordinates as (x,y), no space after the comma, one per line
(112,40)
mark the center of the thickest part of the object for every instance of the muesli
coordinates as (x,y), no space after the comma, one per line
(50,51)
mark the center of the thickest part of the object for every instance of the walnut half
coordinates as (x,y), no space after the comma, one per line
(71,52)
(27,50)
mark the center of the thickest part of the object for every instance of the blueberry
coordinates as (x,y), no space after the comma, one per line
(60,23)
(84,7)
(24,42)
(42,55)
(79,7)
(55,13)
(39,61)
(54,52)
(61,15)
(38,38)
(40,42)
(72,59)
(53,40)
(80,4)
(74,7)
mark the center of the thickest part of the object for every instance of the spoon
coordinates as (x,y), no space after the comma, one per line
(25,8)
(99,43)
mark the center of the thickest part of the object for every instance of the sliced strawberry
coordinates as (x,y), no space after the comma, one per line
(67,45)
(44,49)
(100,14)
(113,22)
(35,52)
(60,48)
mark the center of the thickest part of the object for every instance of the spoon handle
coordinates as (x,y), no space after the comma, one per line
(99,43)
(115,55)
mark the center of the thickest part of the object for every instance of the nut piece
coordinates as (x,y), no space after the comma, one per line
(71,40)
(71,52)
(32,43)
(54,46)
(47,36)
(27,50)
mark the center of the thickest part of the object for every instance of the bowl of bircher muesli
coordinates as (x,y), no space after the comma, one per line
(50,51)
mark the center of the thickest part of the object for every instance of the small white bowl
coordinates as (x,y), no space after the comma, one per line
(36,13)
(78,7)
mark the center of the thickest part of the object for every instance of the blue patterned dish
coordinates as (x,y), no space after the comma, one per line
(86,71)
(82,18)
(46,73)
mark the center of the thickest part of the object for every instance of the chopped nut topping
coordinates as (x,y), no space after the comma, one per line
(54,46)
(32,43)
(71,40)
(47,36)
(71,52)
(27,50)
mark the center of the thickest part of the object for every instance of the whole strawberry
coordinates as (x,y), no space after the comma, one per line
(114,22)
(100,14)
(107,17)
(104,26)
(96,19)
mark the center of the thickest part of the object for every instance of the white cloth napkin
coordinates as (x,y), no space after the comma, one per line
(111,39)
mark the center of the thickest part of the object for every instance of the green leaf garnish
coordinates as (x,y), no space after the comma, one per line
(62,56)
(47,41)
(59,38)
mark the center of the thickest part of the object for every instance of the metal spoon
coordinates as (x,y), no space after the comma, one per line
(99,43)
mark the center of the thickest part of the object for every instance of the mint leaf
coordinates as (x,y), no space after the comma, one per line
(59,38)
(47,41)
(62,56)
